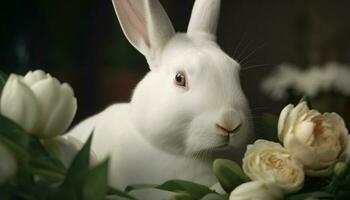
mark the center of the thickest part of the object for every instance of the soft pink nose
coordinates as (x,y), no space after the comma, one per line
(229,122)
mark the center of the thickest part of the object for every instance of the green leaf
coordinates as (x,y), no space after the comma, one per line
(88,185)
(229,174)
(40,156)
(81,162)
(78,172)
(19,152)
(130,188)
(269,126)
(181,197)
(13,132)
(119,193)
(194,190)
(3,79)
(65,191)
(95,183)
(339,183)
(313,195)
(30,186)
(214,196)
(6,192)
(47,173)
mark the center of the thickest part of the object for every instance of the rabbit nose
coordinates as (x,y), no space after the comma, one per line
(229,122)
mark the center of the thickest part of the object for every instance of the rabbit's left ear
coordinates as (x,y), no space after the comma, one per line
(145,24)
(205,17)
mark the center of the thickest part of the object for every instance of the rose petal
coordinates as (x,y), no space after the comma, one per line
(311,114)
(304,154)
(299,110)
(282,121)
(304,132)
(341,127)
(320,172)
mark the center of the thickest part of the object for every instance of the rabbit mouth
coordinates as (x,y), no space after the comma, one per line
(222,145)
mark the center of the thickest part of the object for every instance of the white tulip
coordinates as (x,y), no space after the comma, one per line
(269,161)
(19,103)
(39,103)
(256,190)
(316,140)
(8,164)
(66,148)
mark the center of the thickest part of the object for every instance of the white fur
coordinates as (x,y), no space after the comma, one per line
(166,131)
(205,17)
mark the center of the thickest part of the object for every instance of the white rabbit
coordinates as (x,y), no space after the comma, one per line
(188,110)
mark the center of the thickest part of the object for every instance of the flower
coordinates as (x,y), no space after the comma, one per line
(39,103)
(283,78)
(256,190)
(8,164)
(310,82)
(316,140)
(269,161)
(66,148)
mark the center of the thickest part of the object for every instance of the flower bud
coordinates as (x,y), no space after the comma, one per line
(256,190)
(340,168)
(39,103)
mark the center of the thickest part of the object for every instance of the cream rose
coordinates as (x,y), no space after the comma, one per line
(269,161)
(316,140)
(256,190)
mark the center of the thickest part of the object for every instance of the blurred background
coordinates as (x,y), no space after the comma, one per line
(287,49)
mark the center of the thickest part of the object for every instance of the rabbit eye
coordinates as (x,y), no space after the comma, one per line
(180,79)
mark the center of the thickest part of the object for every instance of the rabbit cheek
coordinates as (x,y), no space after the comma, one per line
(202,135)
(243,134)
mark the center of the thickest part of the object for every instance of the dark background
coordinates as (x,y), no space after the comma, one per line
(81,42)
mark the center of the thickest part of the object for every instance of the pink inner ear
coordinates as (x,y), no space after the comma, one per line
(133,21)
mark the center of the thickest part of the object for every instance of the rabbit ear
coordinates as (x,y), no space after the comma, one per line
(145,24)
(205,16)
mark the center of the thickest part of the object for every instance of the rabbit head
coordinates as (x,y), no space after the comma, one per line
(191,100)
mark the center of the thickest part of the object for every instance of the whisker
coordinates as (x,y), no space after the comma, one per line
(254,67)
(239,43)
(252,52)
(244,50)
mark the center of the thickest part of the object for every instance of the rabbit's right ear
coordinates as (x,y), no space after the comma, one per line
(145,24)
(205,17)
